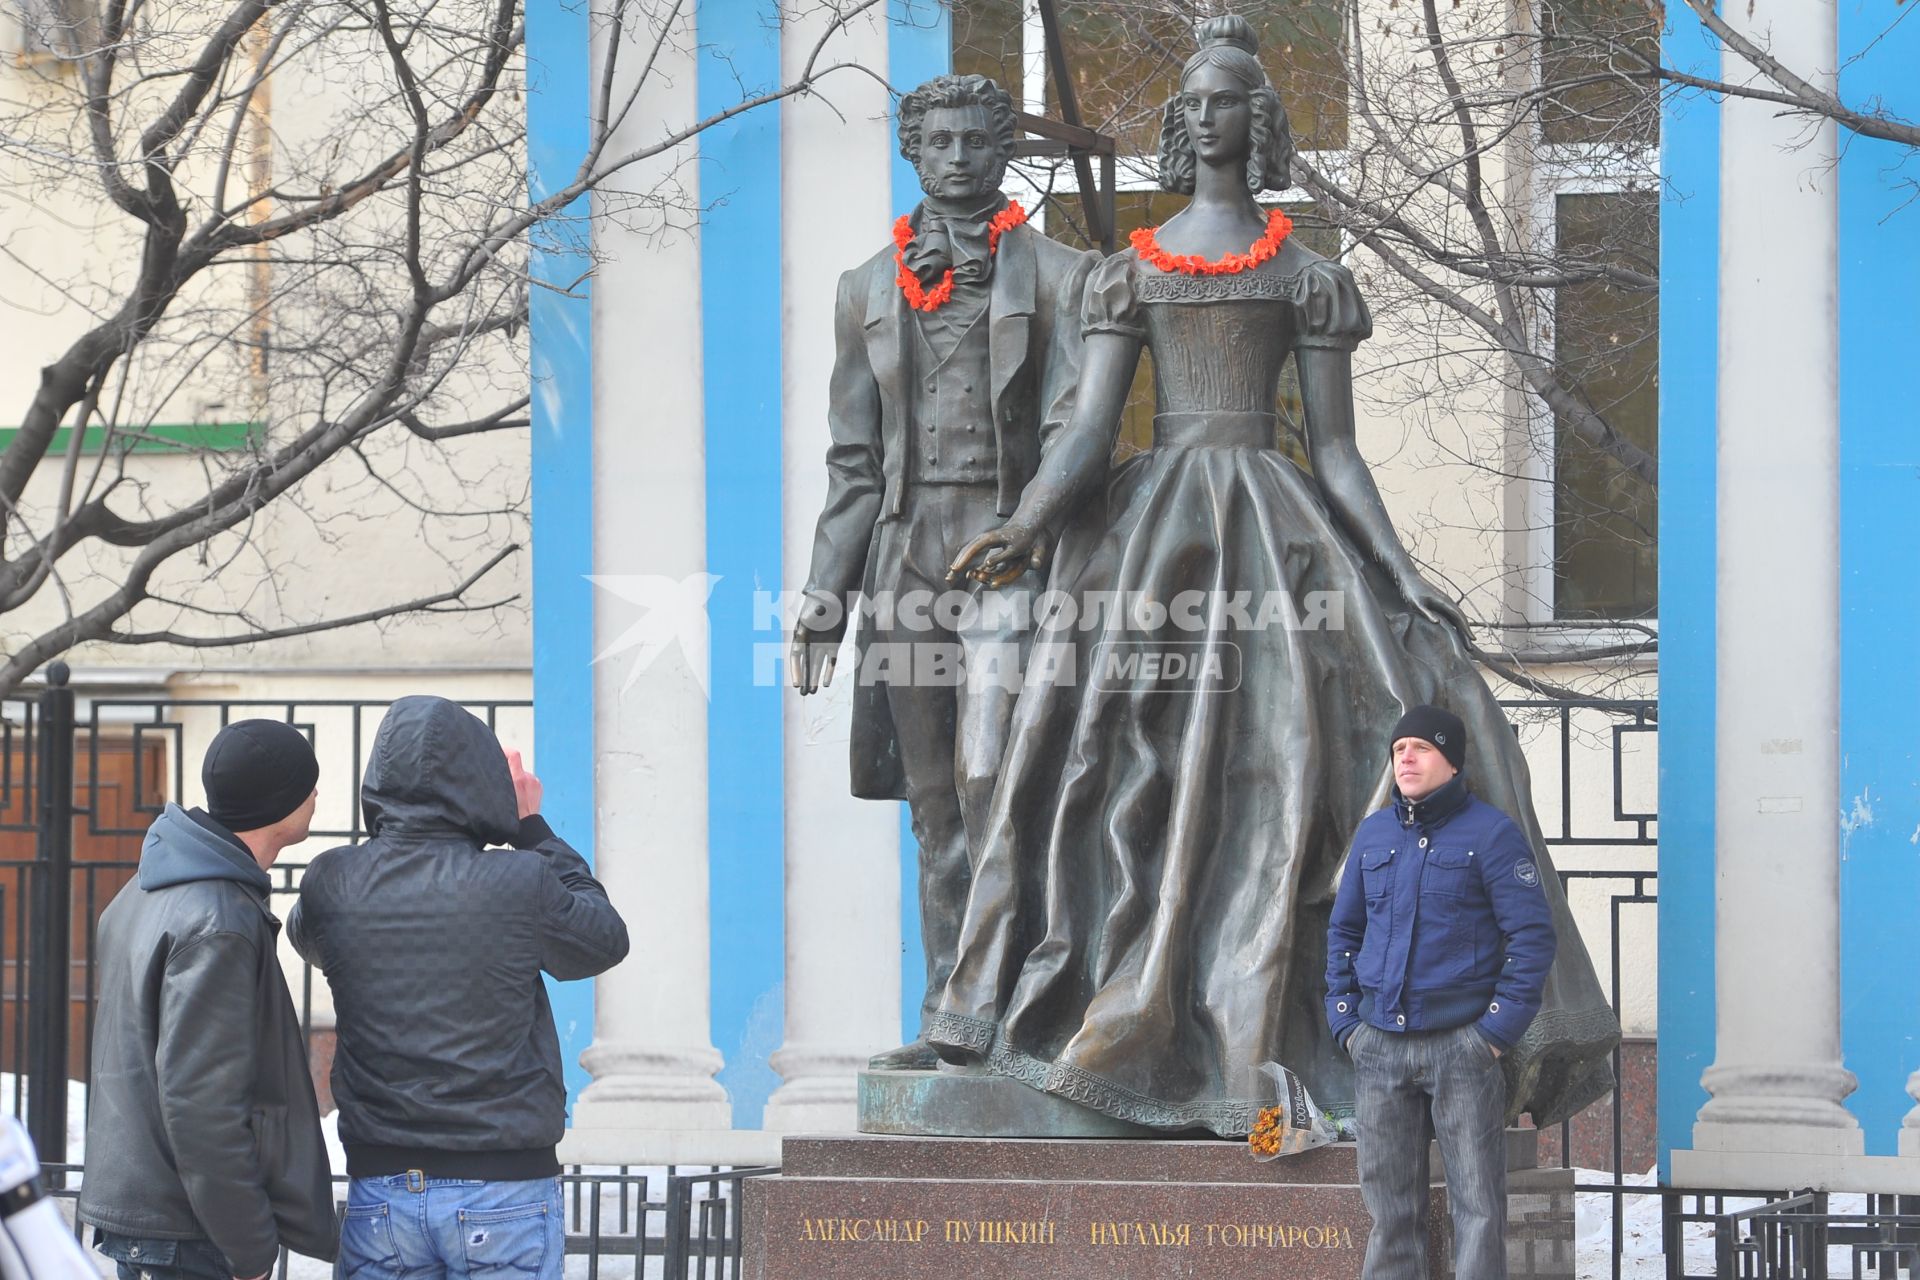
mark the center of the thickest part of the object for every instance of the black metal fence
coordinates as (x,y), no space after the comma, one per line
(1594,779)
(83,788)
(78,789)
(620,1224)
(1742,1235)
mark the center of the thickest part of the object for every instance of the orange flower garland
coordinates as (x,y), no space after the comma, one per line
(1279,227)
(924,299)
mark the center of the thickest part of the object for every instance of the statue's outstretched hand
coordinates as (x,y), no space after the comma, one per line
(1423,596)
(815,648)
(1001,555)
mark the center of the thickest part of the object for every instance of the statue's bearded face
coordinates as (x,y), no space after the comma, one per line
(959,158)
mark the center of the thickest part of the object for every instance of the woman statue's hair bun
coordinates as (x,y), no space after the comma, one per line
(1229,29)
(1228,43)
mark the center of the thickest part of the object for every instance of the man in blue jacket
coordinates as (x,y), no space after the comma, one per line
(1437,956)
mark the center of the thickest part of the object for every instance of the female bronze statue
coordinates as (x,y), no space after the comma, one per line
(1147,922)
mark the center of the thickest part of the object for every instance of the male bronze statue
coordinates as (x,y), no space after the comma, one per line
(957,358)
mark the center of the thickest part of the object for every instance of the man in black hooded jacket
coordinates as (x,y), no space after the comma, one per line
(204,1152)
(447,1067)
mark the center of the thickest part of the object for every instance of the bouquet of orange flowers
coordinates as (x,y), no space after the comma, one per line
(1265,1138)
(1292,1124)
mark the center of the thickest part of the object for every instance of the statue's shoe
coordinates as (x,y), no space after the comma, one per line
(958,1055)
(917,1056)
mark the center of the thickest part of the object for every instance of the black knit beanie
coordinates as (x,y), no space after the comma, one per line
(256,773)
(1442,728)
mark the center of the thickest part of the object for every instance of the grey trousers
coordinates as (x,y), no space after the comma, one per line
(1410,1088)
(952,731)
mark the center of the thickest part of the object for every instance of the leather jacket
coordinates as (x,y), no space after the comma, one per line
(448,1059)
(203,1121)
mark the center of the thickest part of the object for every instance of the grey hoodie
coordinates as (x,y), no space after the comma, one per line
(202,1120)
(184,845)
(434,946)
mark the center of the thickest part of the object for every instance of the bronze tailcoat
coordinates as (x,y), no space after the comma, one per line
(1034,337)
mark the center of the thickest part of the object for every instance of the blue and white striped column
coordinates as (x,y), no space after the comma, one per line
(561,466)
(842,854)
(652,1059)
(743,303)
(1759,285)
(772,914)
(1777,1080)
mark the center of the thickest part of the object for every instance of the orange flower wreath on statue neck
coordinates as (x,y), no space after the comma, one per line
(1279,227)
(921,298)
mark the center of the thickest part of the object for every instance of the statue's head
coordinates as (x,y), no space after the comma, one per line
(958,132)
(1251,128)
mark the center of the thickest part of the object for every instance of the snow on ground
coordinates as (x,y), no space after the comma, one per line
(1641,1256)
(13,1102)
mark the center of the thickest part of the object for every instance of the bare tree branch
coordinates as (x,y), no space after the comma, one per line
(361,306)
(453,599)
(506,417)
(1796,90)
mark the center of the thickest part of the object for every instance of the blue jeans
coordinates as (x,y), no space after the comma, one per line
(420,1228)
(1410,1088)
(142,1258)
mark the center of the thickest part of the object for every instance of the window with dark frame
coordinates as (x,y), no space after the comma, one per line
(1599,132)
(1589,49)
(1607,350)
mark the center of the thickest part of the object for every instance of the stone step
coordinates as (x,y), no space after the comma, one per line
(1090,1159)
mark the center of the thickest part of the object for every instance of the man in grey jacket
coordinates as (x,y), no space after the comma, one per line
(447,1068)
(204,1152)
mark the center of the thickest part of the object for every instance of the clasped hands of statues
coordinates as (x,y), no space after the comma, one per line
(1004,554)
(1000,556)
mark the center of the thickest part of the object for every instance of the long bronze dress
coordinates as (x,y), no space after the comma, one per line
(1148,916)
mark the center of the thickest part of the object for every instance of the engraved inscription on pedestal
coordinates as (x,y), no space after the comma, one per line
(925,1230)
(1087,1209)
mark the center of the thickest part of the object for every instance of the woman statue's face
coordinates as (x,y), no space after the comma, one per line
(1219,115)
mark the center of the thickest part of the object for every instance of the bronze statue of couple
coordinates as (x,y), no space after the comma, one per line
(1125,885)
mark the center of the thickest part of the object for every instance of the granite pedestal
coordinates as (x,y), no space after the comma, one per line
(928,1192)
(875,1206)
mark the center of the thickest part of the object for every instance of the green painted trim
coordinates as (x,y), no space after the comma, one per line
(171,437)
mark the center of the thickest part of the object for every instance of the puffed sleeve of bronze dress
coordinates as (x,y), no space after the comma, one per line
(1330,310)
(1111,305)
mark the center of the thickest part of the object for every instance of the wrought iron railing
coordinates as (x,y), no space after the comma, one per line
(86,820)
(1603,842)
(620,1223)
(1741,1235)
